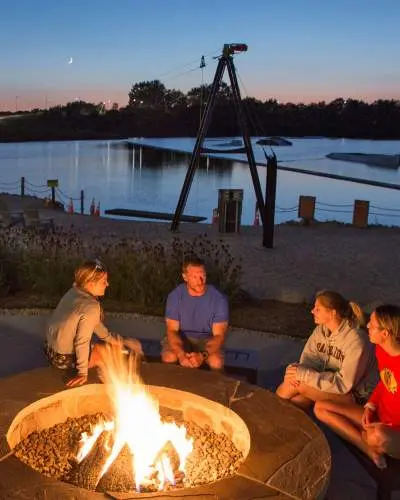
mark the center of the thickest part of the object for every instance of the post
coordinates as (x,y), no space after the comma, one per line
(53,195)
(22,186)
(360,213)
(306,208)
(270,197)
(82,202)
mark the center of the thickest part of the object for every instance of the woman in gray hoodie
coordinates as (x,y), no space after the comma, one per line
(338,361)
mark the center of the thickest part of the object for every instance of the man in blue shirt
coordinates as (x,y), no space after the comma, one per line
(196,319)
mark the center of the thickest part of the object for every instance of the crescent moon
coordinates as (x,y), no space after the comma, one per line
(70,60)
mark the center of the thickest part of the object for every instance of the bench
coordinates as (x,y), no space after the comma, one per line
(239,363)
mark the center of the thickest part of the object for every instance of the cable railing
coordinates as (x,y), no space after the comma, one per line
(308,207)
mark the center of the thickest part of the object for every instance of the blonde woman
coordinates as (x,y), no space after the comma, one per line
(77,316)
(337,362)
(374,428)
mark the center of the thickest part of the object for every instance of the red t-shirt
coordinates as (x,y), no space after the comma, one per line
(386,396)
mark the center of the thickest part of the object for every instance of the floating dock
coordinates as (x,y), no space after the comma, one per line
(144,214)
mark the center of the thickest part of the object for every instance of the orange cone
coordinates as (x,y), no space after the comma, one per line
(215,216)
(70,208)
(256,217)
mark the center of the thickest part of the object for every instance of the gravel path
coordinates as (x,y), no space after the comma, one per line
(362,264)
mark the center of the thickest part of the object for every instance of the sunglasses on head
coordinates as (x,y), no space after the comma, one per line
(99,266)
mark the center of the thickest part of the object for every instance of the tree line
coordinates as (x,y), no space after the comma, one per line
(155,111)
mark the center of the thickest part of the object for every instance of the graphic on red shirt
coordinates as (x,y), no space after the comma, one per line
(386,396)
(389,380)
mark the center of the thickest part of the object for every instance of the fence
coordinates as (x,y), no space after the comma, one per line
(308,207)
(49,191)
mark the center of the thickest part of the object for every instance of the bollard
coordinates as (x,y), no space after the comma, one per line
(306,207)
(360,213)
(22,186)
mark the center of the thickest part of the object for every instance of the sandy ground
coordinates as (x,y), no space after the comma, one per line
(362,264)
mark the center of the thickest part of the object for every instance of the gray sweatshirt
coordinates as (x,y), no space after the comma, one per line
(72,324)
(339,362)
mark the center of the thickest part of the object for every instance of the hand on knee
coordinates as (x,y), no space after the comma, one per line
(169,357)
(215,361)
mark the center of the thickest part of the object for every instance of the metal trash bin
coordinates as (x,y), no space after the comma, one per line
(229,210)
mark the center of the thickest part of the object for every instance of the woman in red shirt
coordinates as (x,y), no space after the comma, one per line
(374,428)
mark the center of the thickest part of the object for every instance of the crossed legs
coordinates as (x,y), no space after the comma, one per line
(346,421)
(304,396)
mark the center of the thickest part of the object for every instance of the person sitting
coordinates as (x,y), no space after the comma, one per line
(337,362)
(374,428)
(77,316)
(196,320)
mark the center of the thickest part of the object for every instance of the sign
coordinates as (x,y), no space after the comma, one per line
(52,183)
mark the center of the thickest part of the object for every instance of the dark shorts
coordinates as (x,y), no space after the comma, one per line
(61,361)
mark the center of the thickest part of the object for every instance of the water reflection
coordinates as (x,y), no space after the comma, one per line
(148,179)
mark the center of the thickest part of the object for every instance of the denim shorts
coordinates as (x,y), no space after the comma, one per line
(61,361)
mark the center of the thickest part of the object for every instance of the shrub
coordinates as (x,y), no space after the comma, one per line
(141,272)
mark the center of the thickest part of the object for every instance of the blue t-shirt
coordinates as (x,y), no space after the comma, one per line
(196,315)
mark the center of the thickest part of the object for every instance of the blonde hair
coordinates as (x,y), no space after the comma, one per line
(345,309)
(388,318)
(89,271)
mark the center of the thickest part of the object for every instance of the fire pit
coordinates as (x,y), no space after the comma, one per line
(210,418)
(282,452)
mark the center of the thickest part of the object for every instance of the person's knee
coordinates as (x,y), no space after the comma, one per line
(95,356)
(169,357)
(216,361)
(320,410)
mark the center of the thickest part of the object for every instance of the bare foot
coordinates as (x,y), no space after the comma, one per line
(378,459)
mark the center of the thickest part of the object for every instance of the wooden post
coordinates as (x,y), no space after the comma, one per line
(306,207)
(270,197)
(22,186)
(360,213)
(82,202)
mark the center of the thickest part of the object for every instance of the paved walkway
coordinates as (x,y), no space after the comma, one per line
(21,337)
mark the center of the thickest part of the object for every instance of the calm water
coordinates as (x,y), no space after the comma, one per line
(114,176)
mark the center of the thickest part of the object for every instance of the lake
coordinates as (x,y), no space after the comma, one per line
(111,174)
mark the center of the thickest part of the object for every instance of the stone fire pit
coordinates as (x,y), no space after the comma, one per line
(288,456)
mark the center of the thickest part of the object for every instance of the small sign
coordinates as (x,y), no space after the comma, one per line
(52,183)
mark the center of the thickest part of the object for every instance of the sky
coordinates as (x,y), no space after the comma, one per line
(55,51)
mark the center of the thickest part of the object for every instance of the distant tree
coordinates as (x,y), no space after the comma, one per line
(198,95)
(174,99)
(147,94)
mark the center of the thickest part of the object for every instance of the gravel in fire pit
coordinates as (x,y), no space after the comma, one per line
(52,452)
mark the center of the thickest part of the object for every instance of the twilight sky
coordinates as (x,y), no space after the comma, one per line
(299,50)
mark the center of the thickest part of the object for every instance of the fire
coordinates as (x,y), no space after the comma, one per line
(137,423)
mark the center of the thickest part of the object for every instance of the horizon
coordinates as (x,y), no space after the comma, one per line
(96,50)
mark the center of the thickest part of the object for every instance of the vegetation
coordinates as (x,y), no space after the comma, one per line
(155,111)
(40,265)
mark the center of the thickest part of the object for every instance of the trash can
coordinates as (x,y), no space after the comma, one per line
(229,210)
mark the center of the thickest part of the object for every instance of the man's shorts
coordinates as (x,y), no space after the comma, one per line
(61,361)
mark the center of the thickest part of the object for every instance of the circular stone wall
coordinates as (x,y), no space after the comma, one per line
(289,456)
(93,398)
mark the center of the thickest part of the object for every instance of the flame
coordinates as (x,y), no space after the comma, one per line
(137,423)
